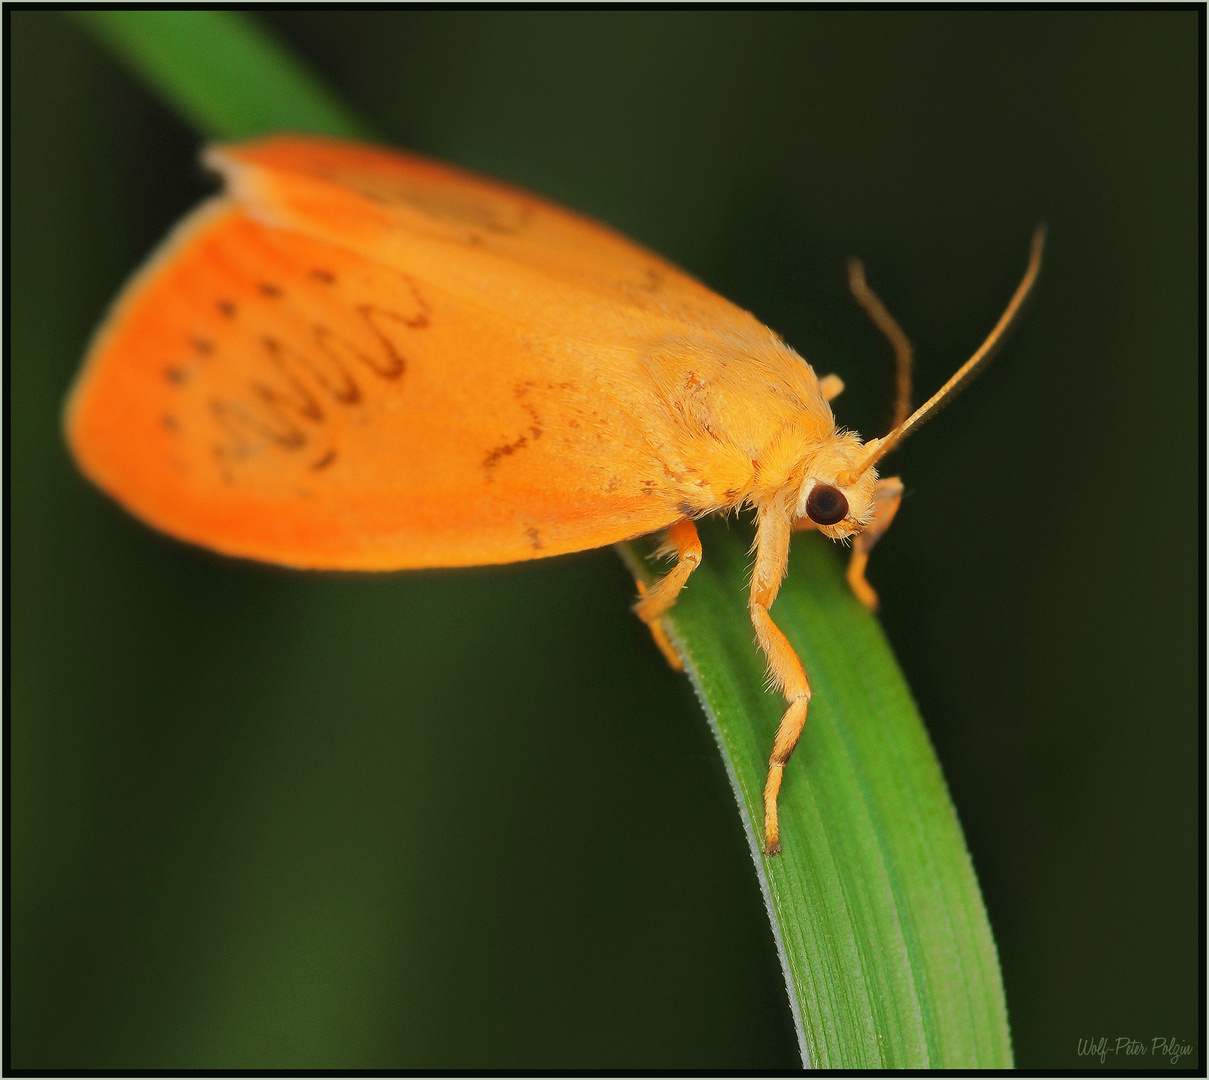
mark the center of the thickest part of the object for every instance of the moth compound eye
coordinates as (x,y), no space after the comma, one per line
(826,505)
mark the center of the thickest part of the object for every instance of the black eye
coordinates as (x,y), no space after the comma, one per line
(826,505)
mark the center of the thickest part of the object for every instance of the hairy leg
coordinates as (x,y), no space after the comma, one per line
(682,540)
(772,553)
(886,497)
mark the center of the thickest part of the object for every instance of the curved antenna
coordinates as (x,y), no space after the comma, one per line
(888,325)
(879,448)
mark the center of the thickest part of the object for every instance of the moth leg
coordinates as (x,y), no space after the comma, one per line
(831,386)
(886,497)
(682,541)
(659,633)
(886,323)
(772,554)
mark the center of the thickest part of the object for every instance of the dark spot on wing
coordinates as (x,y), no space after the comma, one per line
(685,509)
(422,315)
(535,540)
(519,391)
(243,425)
(170,423)
(494,457)
(201,344)
(388,327)
(227,308)
(331,375)
(295,397)
(342,352)
(176,376)
(267,288)
(323,462)
(326,276)
(535,429)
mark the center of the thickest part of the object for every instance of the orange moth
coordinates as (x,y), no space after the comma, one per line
(355,358)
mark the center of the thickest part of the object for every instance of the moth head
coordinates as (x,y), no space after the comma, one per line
(838,505)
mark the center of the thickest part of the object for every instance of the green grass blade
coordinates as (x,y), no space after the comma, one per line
(882,933)
(222,72)
(881,928)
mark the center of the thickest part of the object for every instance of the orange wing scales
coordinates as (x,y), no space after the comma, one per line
(358,359)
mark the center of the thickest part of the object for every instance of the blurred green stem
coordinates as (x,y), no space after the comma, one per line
(222,73)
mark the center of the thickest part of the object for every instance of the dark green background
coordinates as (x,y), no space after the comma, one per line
(467,818)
